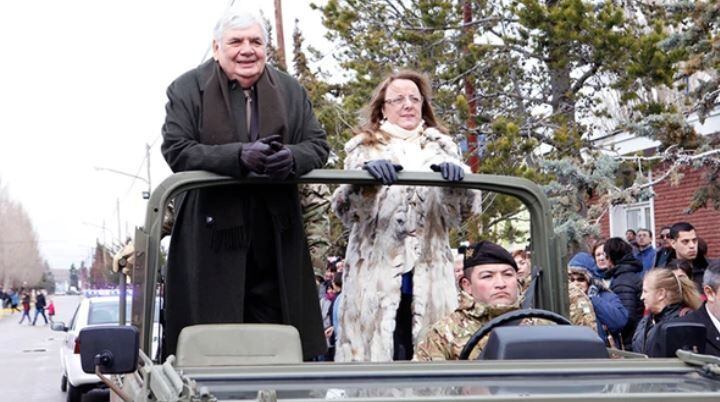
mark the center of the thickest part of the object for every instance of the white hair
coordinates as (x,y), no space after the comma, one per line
(236,19)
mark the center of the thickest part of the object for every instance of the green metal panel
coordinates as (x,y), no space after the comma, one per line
(548,249)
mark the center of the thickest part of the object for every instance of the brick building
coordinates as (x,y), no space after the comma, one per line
(670,202)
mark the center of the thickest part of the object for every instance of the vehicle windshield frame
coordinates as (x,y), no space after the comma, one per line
(547,246)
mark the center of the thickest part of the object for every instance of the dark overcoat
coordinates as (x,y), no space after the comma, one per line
(214,228)
(712,336)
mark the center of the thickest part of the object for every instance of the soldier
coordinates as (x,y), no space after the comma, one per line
(489,289)
(315,202)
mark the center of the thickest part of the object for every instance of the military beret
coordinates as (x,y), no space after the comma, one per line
(486,252)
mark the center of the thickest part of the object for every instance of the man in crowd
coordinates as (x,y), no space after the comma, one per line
(238,252)
(664,247)
(684,242)
(645,250)
(489,289)
(709,313)
(630,236)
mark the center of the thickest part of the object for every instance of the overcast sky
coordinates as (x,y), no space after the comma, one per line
(82,85)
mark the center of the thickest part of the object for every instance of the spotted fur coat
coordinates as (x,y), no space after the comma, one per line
(393,230)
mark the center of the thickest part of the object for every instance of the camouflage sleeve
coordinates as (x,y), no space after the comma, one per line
(315,202)
(581,309)
(434,346)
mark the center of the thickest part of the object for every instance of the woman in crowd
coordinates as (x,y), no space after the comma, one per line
(667,296)
(611,314)
(601,261)
(402,265)
(625,275)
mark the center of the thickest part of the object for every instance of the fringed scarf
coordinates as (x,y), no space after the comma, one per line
(219,124)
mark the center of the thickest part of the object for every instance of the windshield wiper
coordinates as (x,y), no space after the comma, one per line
(709,365)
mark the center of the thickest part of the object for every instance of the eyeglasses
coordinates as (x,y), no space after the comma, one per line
(400,100)
(663,236)
(577,279)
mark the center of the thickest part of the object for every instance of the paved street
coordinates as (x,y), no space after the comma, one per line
(30,357)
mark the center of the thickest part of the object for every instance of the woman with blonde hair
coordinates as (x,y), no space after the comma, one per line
(401,276)
(667,297)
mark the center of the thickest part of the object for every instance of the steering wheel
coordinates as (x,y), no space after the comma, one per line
(506,319)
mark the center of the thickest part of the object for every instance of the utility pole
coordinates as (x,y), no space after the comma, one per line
(280,35)
(149,182)
(468,30)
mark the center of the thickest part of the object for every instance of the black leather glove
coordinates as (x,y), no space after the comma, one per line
(383,170)
(280,164)
(449,171)
(254,155)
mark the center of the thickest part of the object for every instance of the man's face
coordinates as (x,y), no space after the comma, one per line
(685,245)
(713,303)
(629,236)
(664,239)
(643,238)
(493,284)
(241,54)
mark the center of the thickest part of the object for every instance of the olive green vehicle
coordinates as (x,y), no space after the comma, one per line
(234,362)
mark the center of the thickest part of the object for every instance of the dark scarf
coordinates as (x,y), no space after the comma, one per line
(219,125)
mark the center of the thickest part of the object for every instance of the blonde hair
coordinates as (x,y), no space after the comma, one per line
(679,289)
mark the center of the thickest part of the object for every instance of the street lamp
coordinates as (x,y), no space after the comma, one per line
(145,194)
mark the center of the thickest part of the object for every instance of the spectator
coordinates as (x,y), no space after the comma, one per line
(709,313)
(600,260)
(25,307)
(40,307)
(51,311)
(522,259)
(685,242)
(610,312)
(667,297)
(626,282)
(664,247)
(645,251)
(630,236)
(680,268)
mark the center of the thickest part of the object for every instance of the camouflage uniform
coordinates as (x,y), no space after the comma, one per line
(315,202)
(581,308)
(447,337)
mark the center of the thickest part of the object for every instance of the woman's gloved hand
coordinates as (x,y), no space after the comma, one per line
(449,171)
(383,170)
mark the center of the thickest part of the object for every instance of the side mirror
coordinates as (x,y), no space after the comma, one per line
(114,349)
(59,326)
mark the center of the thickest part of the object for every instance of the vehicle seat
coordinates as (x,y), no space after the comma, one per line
(544,342)
(238,344)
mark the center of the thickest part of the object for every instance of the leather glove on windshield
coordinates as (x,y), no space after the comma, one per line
(280,164)
(253,156)
(383,170)
(449,171)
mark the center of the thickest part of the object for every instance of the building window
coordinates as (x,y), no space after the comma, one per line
(631,216)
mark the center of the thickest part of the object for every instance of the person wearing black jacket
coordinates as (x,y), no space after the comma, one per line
(625,275)
(709,313)
(667,297)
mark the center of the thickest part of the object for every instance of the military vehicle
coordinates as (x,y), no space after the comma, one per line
(264,362)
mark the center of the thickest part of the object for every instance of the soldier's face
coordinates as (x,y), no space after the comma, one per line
(493,284)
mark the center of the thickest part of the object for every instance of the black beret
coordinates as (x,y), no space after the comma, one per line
(487,252)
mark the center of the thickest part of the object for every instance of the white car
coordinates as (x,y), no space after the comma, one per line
(94,309)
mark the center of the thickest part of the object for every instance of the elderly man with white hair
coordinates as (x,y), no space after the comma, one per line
(709,313)
(238,253)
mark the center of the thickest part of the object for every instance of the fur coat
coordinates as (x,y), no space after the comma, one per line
(394,230)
